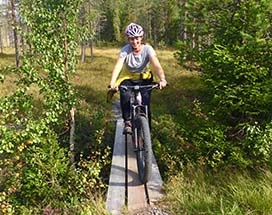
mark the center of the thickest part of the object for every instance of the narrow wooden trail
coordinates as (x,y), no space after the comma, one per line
(125,189)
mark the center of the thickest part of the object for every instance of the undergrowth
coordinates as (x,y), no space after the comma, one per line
(227,191)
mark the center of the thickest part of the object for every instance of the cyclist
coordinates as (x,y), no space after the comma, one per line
(132,68)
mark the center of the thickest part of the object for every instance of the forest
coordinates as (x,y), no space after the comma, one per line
(213,138)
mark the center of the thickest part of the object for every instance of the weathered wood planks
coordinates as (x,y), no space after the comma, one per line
(117,183)
(125,189)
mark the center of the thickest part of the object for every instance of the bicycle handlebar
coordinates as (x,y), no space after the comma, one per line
(138,87)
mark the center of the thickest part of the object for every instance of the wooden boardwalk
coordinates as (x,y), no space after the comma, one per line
(125,189)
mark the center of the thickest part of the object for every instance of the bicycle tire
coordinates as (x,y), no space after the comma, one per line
(144,149)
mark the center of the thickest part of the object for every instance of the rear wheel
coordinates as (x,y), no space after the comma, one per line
(144,149)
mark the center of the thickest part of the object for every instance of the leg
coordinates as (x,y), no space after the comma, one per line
(125,107)
(125,100)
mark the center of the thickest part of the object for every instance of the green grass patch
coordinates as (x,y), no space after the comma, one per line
(198,191)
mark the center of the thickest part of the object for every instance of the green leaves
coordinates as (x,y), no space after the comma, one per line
(231,42)
(33,162)
(236,69)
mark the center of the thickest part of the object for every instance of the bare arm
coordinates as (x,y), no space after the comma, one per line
(159,71)
(115,73)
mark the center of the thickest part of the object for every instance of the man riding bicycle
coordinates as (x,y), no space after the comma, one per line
(132,68)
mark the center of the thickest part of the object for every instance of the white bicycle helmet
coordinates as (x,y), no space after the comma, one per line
(134,30)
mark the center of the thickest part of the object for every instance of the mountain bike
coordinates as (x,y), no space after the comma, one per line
(141,136)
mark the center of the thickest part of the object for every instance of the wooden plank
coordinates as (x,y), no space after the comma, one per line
(155,185)
(117,183)
(136,191)
(121,184)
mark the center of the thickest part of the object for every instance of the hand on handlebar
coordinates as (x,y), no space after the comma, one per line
(162,83)
(112,90)
(113,86)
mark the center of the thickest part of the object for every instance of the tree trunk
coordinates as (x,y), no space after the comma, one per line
(1,42)
(15,32)
(185,23)
(193,35)
(83,51)
(72,135)
(91,48)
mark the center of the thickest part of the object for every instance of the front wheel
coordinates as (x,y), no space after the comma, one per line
(144,149)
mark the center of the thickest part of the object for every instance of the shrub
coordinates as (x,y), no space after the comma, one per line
(236,67)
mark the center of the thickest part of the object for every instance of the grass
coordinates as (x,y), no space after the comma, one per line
(194,190)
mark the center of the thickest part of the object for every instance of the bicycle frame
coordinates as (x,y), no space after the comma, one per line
(141,137)
(136,106)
